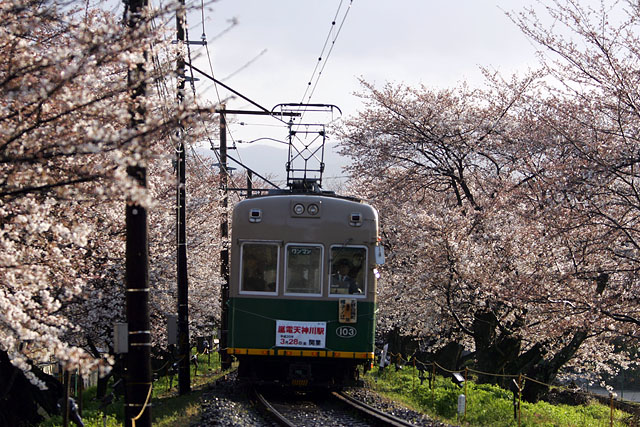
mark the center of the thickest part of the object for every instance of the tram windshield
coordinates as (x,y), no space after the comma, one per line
(304,269)
(259,267)
(348,270)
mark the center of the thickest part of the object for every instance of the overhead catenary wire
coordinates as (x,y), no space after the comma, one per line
(326,41)
(310,84)
(262,125)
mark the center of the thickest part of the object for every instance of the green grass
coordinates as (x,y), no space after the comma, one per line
(169,408)
(487,405)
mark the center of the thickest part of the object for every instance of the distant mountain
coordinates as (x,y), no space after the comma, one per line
(270,162)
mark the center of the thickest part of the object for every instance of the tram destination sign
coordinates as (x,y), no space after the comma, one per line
(300,334)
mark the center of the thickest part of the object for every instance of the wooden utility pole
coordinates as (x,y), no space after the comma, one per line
(184,374)
(138,384)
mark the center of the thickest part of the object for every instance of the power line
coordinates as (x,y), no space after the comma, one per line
(206,46)
(193,87)
(263,109)
(219,83)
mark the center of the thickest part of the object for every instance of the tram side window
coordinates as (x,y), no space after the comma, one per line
(304,269)
(348,270)
(259,267)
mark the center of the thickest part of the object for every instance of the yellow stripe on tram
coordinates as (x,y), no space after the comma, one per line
(301,353)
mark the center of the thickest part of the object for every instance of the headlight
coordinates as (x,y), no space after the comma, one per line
(298,209)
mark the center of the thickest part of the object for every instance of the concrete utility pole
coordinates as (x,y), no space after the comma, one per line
(224,225)
(138,378)
(184,374)
(224,234)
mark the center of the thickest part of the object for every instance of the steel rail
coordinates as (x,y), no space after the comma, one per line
(381,417)
(280,419)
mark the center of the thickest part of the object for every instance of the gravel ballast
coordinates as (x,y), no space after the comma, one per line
(228,403)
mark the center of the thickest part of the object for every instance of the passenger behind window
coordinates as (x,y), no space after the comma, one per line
(341,282)
(252,277)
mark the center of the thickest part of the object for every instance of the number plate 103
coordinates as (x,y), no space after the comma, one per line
(346,331)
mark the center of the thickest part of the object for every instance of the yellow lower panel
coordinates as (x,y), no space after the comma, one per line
(312,353)
(289,352)
(301,353)
(260,352)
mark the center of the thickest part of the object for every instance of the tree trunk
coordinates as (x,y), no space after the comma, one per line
(494,351)
(103,382)
(498,352)
(19,399)
(449,356)
(546,371)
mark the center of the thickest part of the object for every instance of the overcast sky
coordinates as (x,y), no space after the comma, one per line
(435,43)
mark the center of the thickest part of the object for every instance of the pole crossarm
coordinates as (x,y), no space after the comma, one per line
(194,68)
(258,113)
(254,172)
(263,111)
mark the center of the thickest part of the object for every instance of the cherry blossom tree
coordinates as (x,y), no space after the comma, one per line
(65,145)
(59,125)
(592,108)
(204,212)
(482,196)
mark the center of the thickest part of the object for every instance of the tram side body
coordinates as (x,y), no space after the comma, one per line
(302,297)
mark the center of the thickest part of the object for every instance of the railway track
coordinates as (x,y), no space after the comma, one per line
(375,414)
(335,409)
